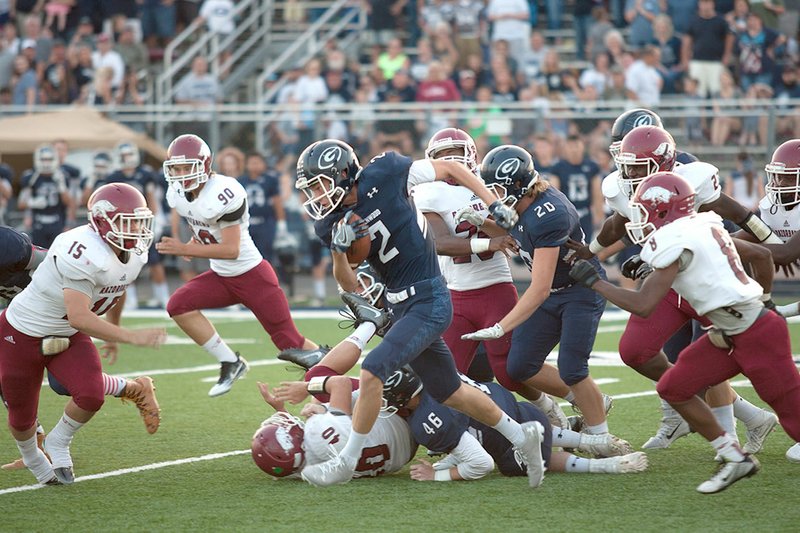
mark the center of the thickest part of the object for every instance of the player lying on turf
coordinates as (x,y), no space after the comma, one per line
(693,254)
(284,445)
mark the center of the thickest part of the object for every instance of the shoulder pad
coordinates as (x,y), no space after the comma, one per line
(610,185)
(83,260)
(172,197)
(764,205)
(211,207)
(425,195)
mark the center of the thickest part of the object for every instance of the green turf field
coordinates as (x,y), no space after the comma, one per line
(210,490)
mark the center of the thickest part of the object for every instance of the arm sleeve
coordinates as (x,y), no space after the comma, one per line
(474,461)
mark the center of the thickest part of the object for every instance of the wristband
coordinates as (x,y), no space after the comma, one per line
(316,385)
(442,475)
(595,247)
(767,296)
(756,227)
(478,246)
(281,227)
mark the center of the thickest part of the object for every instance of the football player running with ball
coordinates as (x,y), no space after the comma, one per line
(693,254)
(215,206)
(49,324)
(402,253)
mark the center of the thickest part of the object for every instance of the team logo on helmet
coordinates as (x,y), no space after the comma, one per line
(329,157)
(657,195)
(662,149)
(505,171)
(643,120)
(103,208)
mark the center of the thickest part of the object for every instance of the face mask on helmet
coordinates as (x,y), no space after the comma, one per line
(277,446)
(368,286)
(452,144)
(45,160)
(643,152)
(326,171)
(660,200)
(188,163)
(399,389)
(508,173)
(626,122)
(127,229)
(783,175)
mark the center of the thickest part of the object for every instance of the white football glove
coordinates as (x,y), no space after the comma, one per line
(494,332)
(468,214)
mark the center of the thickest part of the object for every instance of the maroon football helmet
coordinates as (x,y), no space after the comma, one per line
(278,445)
(783,174)
(660,199)
(188,163)
(119,214)
(449,138)
(644,151)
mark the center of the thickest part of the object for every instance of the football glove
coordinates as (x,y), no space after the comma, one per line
(468,214)
(584,273)
(635,268)
(494,332)
(504,216)
(346,233)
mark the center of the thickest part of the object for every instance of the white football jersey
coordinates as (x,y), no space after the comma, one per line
(220,196)
(783,222)
(80,255)
(704,177)
(389,445)
(711,276)
(470,271)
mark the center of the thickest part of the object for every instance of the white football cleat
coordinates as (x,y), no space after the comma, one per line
(793,453)
(631,463)
(604,445)
(334,471)
(729,473)
(758,432)
(672,428)
(531,452)
(556,415)
(61,460)
(608,403)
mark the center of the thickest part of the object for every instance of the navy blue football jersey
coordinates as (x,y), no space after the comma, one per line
(15,254)
(55,212)
(576,182)
(142,178)
(549,222)
(260,194)
(684,158)
(402,250)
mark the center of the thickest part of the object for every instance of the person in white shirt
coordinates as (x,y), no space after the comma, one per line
(104,56)
(642,79)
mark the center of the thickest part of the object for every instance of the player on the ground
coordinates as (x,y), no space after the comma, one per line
(403,254)
(477,273)
(48,325)
(474,448)
(44,191)
(553,309)
(692,254)
(216,208)
(388,447)
(644,151)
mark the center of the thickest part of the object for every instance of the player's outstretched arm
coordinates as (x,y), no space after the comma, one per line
(473,462)
(453,246)
(227,248)
(83,319)
(343,273)
(760,259)
(730,209)
(607,241)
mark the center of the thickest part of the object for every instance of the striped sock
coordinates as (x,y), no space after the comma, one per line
(113,385)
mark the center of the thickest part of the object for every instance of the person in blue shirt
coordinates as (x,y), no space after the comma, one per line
(554,310)
(579,179)
(45,193)
(264,202)
(402,252)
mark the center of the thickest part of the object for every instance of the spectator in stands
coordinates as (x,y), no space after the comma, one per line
(158,22)
(134,53)
(768,10)
(467,85)
(550,73)
(437,87)
(32,29)
(617,91)
(532,62)
(444,49)
(754,124)
(504,88)
(787,88)
(737,18)
(755,49)
(615,46)
(582,21)
(84,34)
(102,90)
(598,75)
(56,12)
(467,29)
(402,85)
(722,123)
(643,80)
(338,92)
(7,56)
(423,59)
(600,26)
(201,90)
(640,15)
(309,91)
(511,22)
(393,59)
(432,14)
(485,122)
(670,47)
(383,16)
(482,74)
(554,14)
(24,86)
(745,185)
(218,16)
(105,56)
(400,132)
(681,12)
(707,48)
(82,66)
(58,84)
(694,108)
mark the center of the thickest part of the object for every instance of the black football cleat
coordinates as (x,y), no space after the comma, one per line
(228,373)
(304,358)
(64,475)
(366,312)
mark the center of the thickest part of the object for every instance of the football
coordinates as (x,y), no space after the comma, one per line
(359,250)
